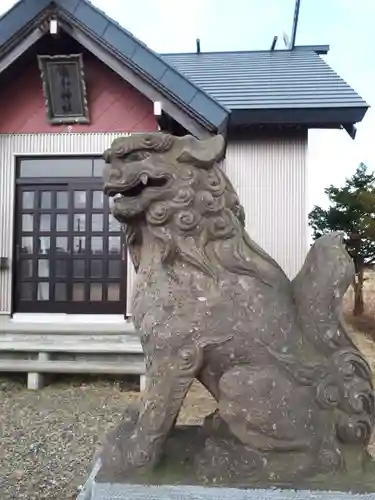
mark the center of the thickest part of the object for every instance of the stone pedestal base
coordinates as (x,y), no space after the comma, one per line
(210,456)
(107,491)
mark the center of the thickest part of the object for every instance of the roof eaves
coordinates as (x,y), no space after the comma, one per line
(321,50)
(362,102)
(145,61)
(326,117)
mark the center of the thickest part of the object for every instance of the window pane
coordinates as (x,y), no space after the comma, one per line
(62,244)
(56,167)
(43,268)
(45,222)
(45,199)
(96,293)
(114,268)
(28,200)
(114,244)
(97,244)
(27,222)
(61,268)
(27,244)
(44,245)
(43,291)
(62,199)
(113,224)
(113,292)
(26,291)
(79,222)
(61,222)
(60,292)
(97,199)
(79,268)
(79,199)
(96,268)
(97,222)
(26,268)
(79,244)
(78,292)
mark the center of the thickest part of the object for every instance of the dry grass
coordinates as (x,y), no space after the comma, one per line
(49,437)
(363,327)
(366,322)
(197,405)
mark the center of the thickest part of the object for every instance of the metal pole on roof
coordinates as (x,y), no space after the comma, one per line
(295,24)
(274,42)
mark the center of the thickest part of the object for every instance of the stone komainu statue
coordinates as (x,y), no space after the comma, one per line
(294,395)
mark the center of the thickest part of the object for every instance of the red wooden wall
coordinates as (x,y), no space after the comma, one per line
(114,105)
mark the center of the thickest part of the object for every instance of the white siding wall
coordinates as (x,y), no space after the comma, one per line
(270,176)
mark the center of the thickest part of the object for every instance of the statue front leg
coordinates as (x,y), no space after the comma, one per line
(169,378)
(137,442)
(165,394)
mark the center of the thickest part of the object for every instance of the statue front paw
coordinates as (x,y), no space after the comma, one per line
(136,456)
(123,461)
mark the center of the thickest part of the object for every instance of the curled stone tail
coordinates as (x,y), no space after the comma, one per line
(346,382)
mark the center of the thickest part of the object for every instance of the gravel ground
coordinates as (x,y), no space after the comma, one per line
(49,437)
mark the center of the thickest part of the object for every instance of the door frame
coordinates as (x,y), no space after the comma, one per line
(55,182)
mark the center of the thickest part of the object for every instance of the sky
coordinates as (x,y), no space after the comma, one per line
(222,25)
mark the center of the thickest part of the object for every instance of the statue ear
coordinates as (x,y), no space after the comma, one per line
(107,155)
(201,153)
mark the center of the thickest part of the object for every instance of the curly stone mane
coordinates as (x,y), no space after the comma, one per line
(199,220)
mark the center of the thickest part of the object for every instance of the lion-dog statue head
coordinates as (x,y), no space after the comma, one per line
(175,186)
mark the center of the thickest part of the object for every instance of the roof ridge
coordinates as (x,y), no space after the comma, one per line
(298,49)
(95,7)
(170,66)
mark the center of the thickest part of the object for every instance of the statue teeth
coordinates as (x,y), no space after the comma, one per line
(144,179)
(117,195)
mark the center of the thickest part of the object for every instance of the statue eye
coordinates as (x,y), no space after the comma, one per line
(136,156)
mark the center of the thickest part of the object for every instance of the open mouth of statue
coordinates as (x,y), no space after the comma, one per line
(143,182)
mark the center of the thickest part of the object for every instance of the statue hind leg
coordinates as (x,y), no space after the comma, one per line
(277,420)
(272,423)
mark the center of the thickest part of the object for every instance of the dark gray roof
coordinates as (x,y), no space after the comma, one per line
(264,87)
(267,80)
(18,16)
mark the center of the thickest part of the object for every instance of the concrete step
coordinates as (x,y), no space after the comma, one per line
(56,345)
(68,328)
(61,338)
(100,348)
(51,366)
